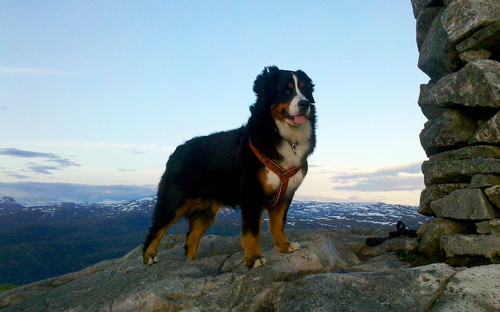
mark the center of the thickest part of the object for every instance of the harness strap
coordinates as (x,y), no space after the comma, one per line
(283,174)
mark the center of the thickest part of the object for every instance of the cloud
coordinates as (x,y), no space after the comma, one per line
(137,152)
(25,154)
(43,169)
(19,176)
(65,162)
(398,178)
(131,147)
(60,162)
(14,175)
(32,71)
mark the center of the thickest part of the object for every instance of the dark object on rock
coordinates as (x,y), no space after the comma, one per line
(400,232)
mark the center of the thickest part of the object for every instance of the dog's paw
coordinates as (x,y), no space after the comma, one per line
(293,247)
(259,262)
(150,260)
(288,247)
(255,262)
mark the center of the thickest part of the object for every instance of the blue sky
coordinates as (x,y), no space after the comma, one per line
(101,92)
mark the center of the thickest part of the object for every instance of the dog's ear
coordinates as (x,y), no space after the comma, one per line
(265,83)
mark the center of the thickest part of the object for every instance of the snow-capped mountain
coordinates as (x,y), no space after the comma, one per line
(48,212)
(302,214)
(335,215)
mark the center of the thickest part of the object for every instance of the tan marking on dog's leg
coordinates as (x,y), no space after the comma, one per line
(150,254)
(253,253)
(198,226)
(277,228)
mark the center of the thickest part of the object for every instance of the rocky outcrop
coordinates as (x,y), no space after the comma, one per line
(333,271)
(459,44)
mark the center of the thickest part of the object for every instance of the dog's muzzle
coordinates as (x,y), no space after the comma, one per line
(303,107)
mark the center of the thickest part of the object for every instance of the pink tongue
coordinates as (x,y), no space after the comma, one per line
(299,119)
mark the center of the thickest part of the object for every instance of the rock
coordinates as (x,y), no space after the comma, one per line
(436,191)
(488,227)
(357,291)
(384,262)
(431,231)
(461,164)
(318,255)
(299,281)
(484,180)
(487,38)
(470,56)
(475,85)
(462,17)
(459,42)
(469,152)
(452,129)
(489,132)
(470,245)
(464,204)
(174,283)
(461,293)
(419,5)
(424,22)
(458,171)
(438,56)
(427,104)
(407,245)
(493,194)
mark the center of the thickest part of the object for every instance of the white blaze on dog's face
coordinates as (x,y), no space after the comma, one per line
(294,109)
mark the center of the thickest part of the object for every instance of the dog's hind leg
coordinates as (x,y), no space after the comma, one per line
(277,219)
(150,250)
(162,221)
(199,222)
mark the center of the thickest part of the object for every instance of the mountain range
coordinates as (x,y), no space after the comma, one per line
(48,239)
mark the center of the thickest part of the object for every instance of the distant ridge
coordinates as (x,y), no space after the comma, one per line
(33,192)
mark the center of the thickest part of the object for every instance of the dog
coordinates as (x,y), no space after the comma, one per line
(256,167)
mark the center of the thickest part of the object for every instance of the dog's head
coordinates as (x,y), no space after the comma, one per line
(286,94)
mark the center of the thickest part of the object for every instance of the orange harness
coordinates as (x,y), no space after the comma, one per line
(283,174)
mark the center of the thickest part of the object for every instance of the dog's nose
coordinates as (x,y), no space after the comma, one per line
(303,104)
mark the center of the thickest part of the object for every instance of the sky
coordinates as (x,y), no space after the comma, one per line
(99,93)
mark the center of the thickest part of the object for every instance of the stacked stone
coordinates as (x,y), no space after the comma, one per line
(459,45)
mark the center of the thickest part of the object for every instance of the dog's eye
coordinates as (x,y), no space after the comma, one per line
(289,87)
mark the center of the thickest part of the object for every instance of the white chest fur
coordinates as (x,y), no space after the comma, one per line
(293,147)
(273,181)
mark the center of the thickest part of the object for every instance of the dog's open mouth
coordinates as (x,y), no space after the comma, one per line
(298,120)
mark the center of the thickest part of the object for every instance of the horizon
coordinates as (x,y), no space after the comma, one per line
(33,193)
(100,94)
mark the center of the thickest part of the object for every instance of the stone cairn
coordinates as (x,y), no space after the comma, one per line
(459,45)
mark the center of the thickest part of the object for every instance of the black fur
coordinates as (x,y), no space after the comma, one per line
(222,167)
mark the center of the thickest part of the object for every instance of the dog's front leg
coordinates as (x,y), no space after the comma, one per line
(277,219)
(250,237)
